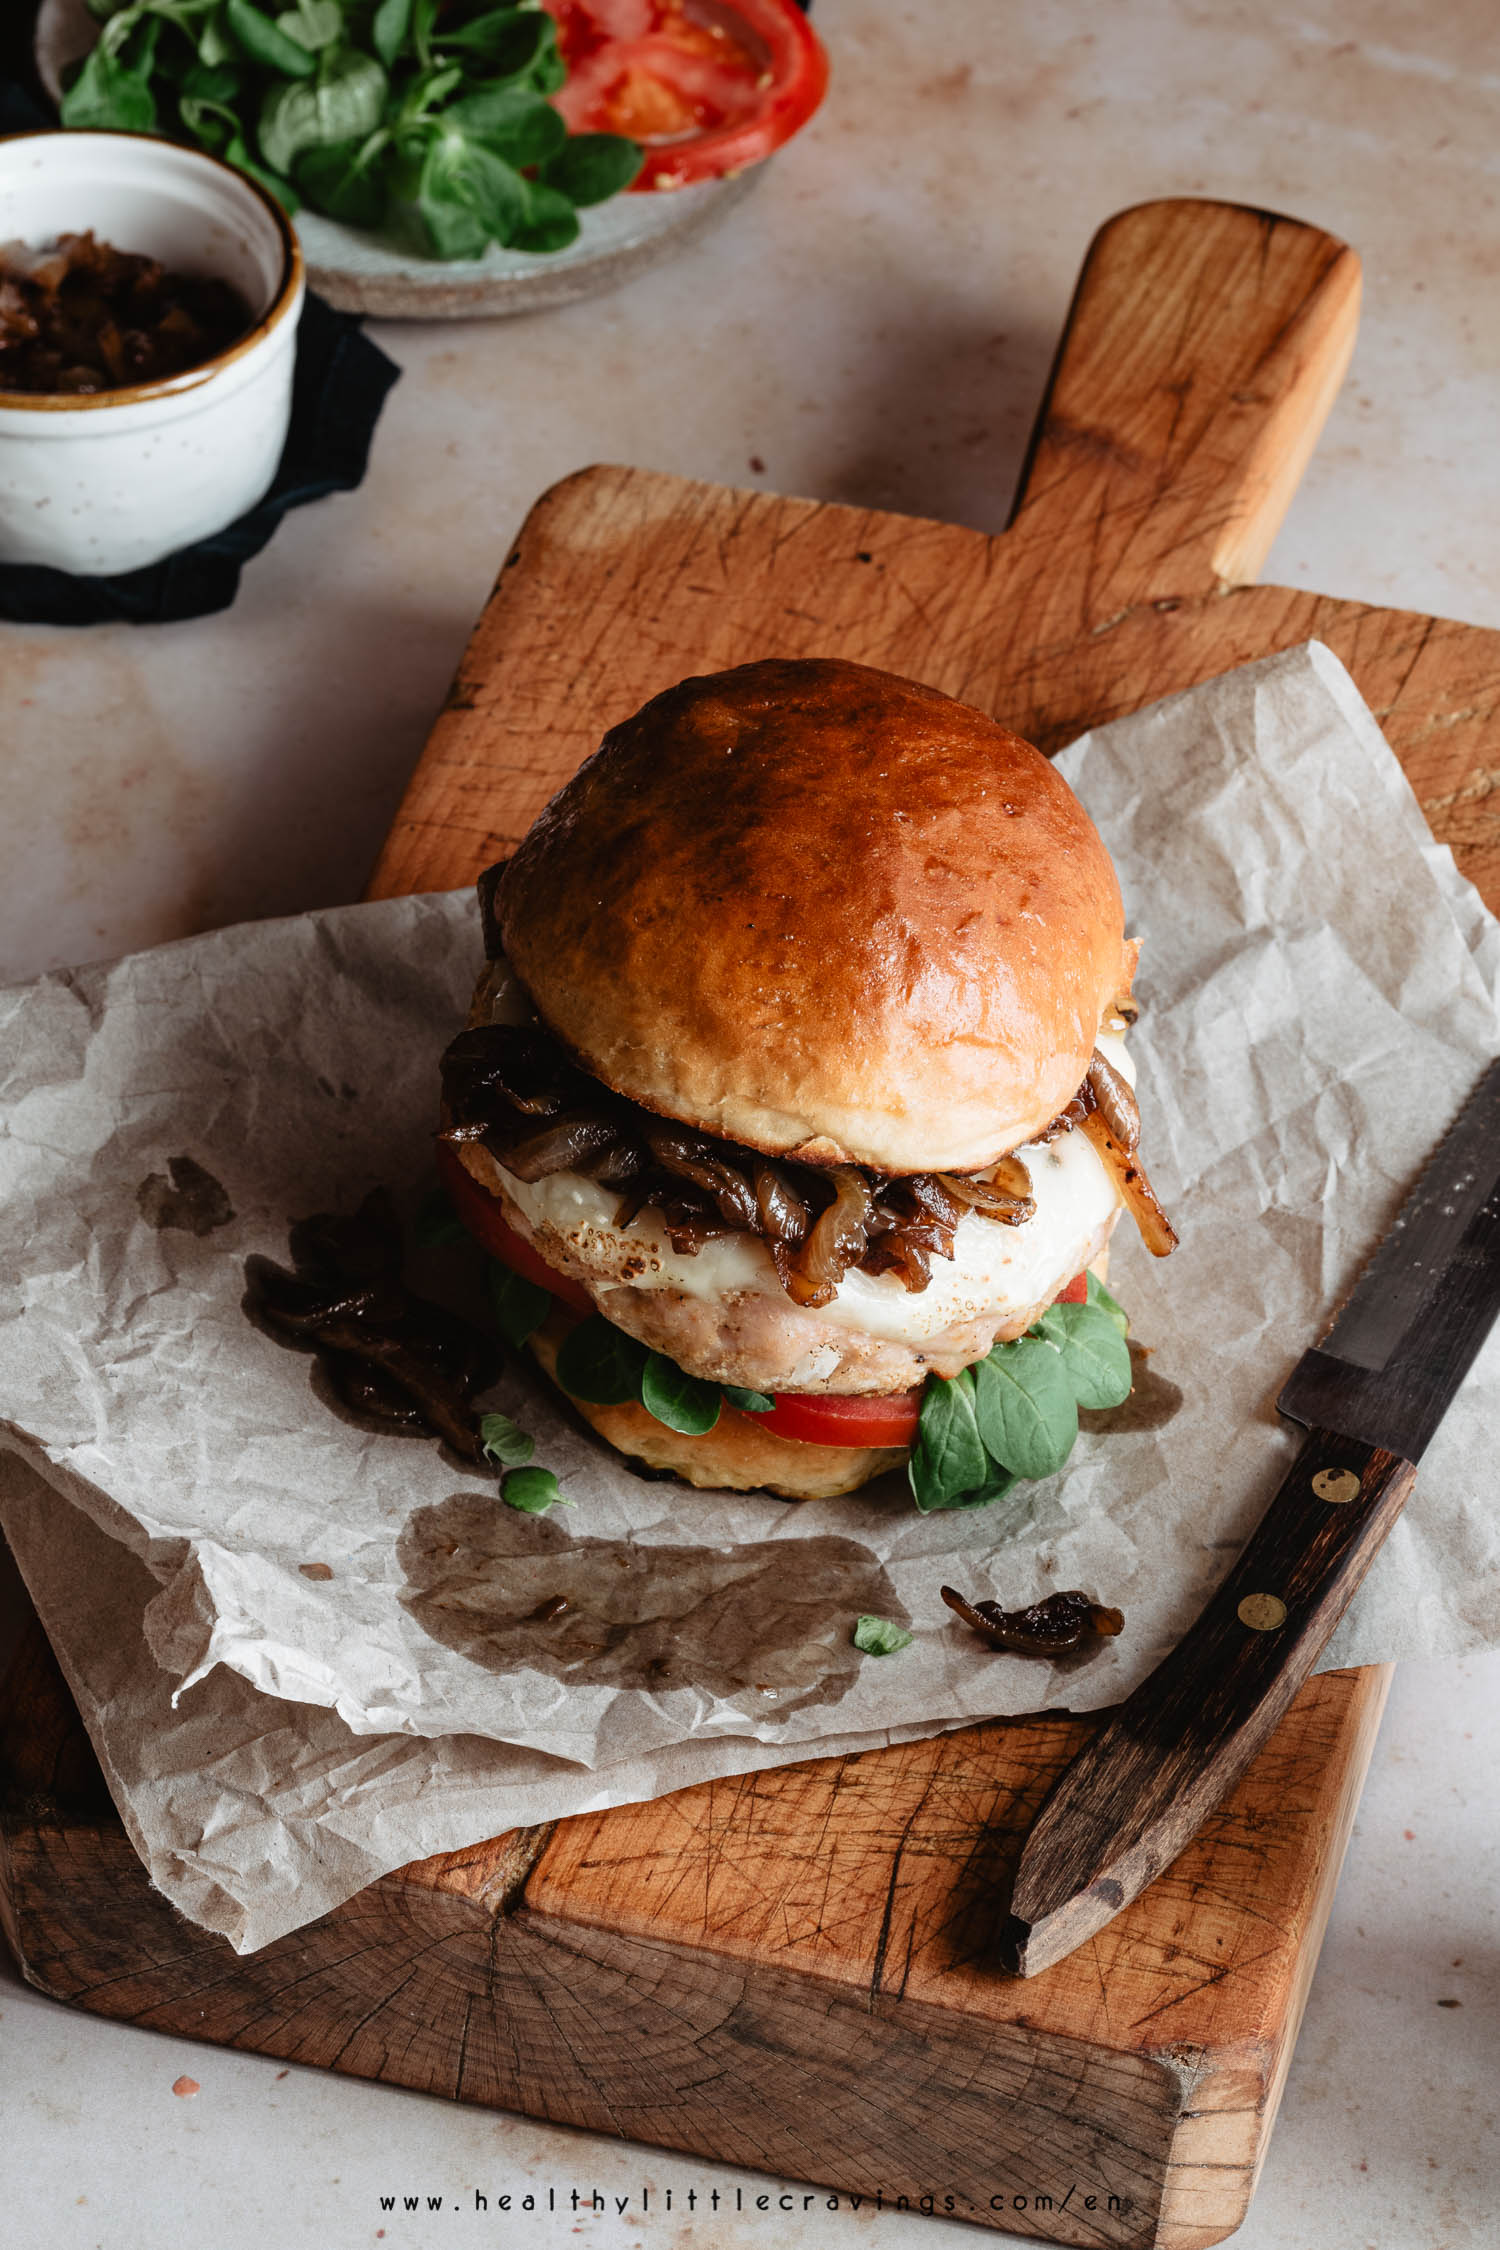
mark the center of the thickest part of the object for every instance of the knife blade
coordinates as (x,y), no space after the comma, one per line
(1371,1395)
(1408,1332)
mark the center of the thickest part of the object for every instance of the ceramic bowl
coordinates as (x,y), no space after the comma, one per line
(119,479)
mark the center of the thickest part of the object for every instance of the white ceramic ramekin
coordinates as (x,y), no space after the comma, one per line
(114,481)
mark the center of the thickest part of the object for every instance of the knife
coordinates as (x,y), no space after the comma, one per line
(1370,1396)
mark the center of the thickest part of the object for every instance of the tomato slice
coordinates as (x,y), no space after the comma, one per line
(485,1220)
(706,86)
(820,1419)
(1076,1293)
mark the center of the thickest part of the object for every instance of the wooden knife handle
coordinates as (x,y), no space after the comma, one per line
(1141,1789)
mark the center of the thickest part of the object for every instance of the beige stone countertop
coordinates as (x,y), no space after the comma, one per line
(872,324)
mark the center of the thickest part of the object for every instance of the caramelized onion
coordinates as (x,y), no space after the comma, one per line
(783,1214)
(930,1195)
(1072,1115)
(533,1082)
(473,1061)
(916,1265)
(690,1225)
(386,1352)
(1054,1627)
(1136,1191)
(910,1261)
(922,1214)
(633,1202)
(1005,1194)
(927,1234)
(513,1087)
(619,1160)
(563,1145)
(691,1157)
(1115,1100)
(455,1134)
(838,1239)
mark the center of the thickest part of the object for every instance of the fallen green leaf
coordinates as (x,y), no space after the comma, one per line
(877,1636)
(533,1491)
(505,1441)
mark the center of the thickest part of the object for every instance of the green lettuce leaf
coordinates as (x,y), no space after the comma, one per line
(1095,1355)
(600,1364)
(505,1441)
(533,1491)
(877,1636)
(682,1402)
(1025,1407)
(949,1465)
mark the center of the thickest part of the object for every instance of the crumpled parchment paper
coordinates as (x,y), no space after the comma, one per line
(1318,993)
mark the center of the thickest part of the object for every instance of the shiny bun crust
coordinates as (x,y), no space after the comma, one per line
(736,1455)
(826,912)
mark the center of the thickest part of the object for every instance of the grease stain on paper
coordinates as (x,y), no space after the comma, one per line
(191,1199)
(761,1624)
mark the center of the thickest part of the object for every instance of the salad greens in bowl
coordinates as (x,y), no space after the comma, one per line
(455,156)
(428,125)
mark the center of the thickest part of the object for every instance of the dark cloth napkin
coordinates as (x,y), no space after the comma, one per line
(338,388)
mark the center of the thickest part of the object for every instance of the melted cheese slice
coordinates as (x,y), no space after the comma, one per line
(996,1271)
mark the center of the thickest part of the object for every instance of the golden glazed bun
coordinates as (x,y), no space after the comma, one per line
(824,911)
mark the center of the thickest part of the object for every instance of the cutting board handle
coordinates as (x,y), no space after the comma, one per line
(1203,350)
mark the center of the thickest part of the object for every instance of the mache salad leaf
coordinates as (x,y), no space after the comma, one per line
(1094,1352)
(533,1491)
(683,1402)
(429,125)
(520,1306)
(601,1365)
(1014,1414)
(877,1636)
(1100,1296)
(949,1468)
(748,1402)
(505,1441)
(1011,1416)
(1025,1407)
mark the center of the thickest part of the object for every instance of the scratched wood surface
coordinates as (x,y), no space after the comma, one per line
(792,1970)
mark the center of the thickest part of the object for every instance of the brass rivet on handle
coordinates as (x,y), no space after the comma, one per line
(1336,1485)
(1263,1613)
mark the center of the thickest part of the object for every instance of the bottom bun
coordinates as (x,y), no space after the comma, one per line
(736,1455)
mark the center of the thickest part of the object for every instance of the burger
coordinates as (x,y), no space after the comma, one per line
(795,1106)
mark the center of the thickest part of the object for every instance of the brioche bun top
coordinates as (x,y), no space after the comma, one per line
(823,911)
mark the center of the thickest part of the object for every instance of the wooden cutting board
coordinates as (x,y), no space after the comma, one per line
(790,1970)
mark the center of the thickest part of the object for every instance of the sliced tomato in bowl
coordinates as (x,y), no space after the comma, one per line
(706,87)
